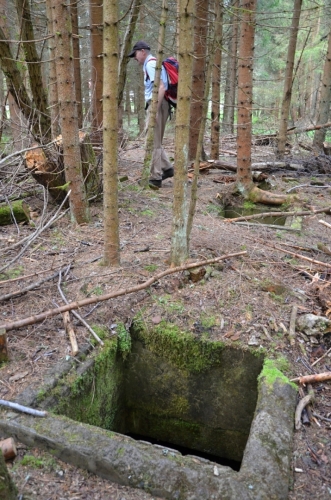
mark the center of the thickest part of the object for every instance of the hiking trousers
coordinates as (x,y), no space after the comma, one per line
(160,160)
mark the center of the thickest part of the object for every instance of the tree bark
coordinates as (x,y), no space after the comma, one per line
(288,82)
(198,74)
(76,55)
(216,88)
(179,248)
(96,22)
(110,134)
(325,98)
(68,111)
(52,87)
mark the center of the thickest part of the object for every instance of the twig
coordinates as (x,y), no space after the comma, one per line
(311,379)
(71,333)
(38,232)
(319,359)
(76,305)
(321,417)
(78,316)
(306,185)
(292,325)
(24,409)
(271,226)
(29,287)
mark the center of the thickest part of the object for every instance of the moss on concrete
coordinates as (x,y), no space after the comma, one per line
(271,373)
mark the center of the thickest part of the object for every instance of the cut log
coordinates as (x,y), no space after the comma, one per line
(8,448)
(16,211)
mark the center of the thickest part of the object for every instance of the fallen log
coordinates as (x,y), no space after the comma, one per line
(279,214)
(15,211)
(76,305)
(24,409)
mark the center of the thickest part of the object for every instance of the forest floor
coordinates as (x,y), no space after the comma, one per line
(245,300)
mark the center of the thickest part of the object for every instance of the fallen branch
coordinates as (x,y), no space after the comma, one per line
(71,333)
(292,325)
(28,288)
(78,316)
(325,223)
(76,305)
(279,214)
(24,409)
(310,398)
(308,129)
(322,357)
(312,379)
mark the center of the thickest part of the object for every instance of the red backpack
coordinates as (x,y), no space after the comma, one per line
(171,66)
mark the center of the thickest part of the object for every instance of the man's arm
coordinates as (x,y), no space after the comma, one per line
(161,93)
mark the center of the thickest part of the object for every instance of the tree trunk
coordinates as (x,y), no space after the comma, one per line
(179,248)
(52,87)
(34,68)
(68,111)
(96,61)
(288,83)
(198,76)
(231,74)
(8,489)
(127,43)
(18,90)
(216,88)
(76,55)
(244,181)
(110,133)
(325,98)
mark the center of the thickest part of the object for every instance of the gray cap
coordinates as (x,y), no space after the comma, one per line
(138,46)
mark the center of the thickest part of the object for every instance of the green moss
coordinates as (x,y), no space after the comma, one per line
(93,395)
(180,348)
(271,373)
(123,340)
(38,463)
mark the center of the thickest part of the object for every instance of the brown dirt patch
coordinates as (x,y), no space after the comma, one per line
(245,300)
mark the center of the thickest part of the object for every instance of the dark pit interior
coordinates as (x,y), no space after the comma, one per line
(170,388)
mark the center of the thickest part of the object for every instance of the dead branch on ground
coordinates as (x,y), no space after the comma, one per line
(280,214)
(24,409)
(310,398)
(292,325)
(312,379)
(76,305)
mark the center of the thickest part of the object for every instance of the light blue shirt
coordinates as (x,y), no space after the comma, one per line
(149,75)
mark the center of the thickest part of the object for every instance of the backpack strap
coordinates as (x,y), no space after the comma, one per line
(150,59)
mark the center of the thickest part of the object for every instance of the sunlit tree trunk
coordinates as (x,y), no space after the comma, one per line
(231,73)
(110,133)
(68,111)
(288,82)
(244,181)
(199,73)
(216,86)
(179,248)
(325,98)
(96,21)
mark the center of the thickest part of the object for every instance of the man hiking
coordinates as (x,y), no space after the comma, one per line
(161,167)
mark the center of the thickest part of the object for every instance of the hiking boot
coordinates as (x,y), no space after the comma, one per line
(154,184)
(167,173)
